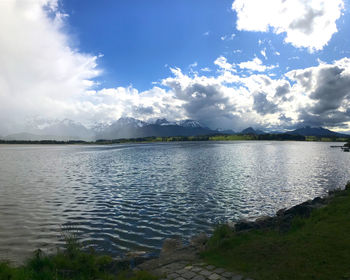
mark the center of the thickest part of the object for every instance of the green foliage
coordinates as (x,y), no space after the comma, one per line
(232,137)
(72,263)
(315,248)
(325,139)
(218,137)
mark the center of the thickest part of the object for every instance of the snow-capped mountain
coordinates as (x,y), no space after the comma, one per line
(123,128)
(66,129)
(129,122)
(133,128)
(99,127)
(250,130)
(49,129)
(189,123)
(164,122)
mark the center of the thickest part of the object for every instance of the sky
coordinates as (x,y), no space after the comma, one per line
(274,64)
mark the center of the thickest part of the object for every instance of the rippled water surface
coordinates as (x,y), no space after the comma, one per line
(131,197)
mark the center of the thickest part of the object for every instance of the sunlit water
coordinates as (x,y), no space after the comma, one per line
(131,197)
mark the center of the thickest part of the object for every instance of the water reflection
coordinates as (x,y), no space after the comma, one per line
(126,197)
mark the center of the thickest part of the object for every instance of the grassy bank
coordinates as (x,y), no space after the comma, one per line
(317,247)
(71,263)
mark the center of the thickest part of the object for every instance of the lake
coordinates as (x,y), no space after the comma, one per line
(133,196)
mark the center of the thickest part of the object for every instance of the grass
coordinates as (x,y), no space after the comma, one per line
(232,137)
(72,263)
(317,247)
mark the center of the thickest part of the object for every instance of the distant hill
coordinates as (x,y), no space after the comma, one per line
(24,136)
(316,131)
(34,137)
(132,128)
(68,130)
(65,130)
(250,130)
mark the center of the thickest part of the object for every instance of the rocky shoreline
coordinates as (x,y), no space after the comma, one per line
(180,262)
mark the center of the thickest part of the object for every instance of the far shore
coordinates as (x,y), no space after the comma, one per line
(236,137)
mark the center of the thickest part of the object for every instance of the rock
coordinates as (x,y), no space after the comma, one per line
(318,200)
(303,210)
(199,240)
(280,212)
(244,225)
(170,245)
(265,222)
(231,224)
(284,222)
(138,257)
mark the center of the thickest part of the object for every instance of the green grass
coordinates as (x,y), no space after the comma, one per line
(325,139)
(232,137)
(72,263)
(317,247)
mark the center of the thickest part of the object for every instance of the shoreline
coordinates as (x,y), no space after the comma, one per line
(176,260)
(281,221)
(202,138)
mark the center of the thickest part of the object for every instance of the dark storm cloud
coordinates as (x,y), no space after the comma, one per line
(283,118)
(332,89)
(283,89)
(328,86)
(263,106)
(331,119)
(306,24)
(304,78)
(206,103)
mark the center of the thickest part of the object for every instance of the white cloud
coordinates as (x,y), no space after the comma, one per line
(40,74)
(255,65)
(193,65)
(206,69)
(228,37)
(307,23)
(318,96)
(224,65)
(263,53)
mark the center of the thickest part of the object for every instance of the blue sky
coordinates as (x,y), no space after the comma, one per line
(277,64)
(140,40)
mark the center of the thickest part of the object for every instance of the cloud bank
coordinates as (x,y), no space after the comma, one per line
(306,23)
(41,74)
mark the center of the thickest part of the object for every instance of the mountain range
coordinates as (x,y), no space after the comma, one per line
(133,128)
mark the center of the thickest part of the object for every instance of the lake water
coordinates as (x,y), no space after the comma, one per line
(131,197)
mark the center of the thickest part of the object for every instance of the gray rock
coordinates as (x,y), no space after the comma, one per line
(196,269)
(214,276)
(172,276)
(188,274)
(205,272)
(219,270)
(199,240)
(198,277)
(170,245)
